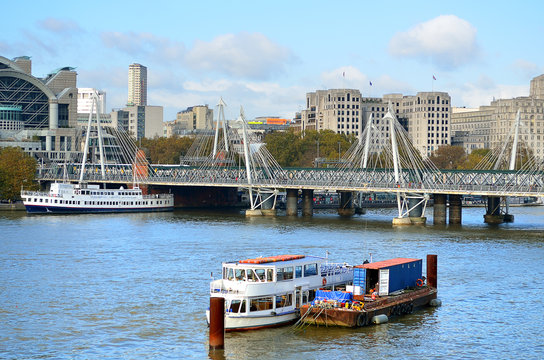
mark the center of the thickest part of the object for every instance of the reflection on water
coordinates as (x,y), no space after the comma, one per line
(136,285)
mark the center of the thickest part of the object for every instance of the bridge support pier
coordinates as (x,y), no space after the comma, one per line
(439,209)
(307,202)
(416,213)
(345,207)
(267,207)
(493,211)
(292,202)
(456,209)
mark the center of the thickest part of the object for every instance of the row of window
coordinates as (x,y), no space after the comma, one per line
(353,126)
(262,275)
(78,202)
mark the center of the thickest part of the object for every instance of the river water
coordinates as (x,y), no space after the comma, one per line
(136,286)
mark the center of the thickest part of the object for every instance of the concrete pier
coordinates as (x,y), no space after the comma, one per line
(307,202)
(416,212)
(456,209)
(439,209)
(292,202)
(493,211)
(345,207)
(267,207)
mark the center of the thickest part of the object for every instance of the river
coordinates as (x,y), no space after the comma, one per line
(136,286)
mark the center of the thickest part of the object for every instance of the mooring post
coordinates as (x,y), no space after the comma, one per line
(432,271)
(217,323)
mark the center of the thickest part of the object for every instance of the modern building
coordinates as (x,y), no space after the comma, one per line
(35,109)
(139,121)
(490,125)
(137,85)
(85,100)
(338,110)
(194,118)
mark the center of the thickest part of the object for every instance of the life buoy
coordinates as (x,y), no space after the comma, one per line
(324,281)
(374,295)
(419,282)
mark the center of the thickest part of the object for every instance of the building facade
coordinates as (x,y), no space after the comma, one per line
(490,125)
(194,118)
(38,109)
(85,100)
(139,121)
(137,85)
(338,110)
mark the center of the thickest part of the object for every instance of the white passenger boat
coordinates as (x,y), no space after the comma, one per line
(84,198)
(268,291)
(70,198)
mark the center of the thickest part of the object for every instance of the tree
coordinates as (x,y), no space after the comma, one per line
(474,159)
(17,169)
(162,150)
(448,157)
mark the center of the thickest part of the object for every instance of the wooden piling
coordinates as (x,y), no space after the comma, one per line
(217,323)
(432,271)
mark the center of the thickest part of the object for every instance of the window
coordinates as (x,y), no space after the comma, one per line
(260,304)
(285,273)
(240,274)
(298,271)
(237,306)
(310,269)
(261,274)
(284,300)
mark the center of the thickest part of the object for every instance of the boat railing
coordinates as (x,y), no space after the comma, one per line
(157,196)
(33,193)
(331,269)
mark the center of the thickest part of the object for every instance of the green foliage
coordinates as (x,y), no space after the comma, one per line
(17,169)
(292,150)
(162,150)
(448,157)
(473,159)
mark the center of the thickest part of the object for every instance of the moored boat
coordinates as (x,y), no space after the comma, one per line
(381,290)
(269,291)
(65,198)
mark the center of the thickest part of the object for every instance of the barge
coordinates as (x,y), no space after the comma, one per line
(380,290)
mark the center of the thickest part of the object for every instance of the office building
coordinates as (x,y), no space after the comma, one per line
(489,125)
(137,85)
(85,100)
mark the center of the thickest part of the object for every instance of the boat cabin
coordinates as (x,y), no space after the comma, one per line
(388,276)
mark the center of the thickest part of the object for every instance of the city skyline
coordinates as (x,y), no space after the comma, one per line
(266,58)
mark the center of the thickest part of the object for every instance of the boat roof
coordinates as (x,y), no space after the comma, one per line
(277,260)
(386,263)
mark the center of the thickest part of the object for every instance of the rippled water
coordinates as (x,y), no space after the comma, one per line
(136,286)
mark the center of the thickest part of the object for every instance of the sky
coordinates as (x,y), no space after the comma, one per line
(265,56)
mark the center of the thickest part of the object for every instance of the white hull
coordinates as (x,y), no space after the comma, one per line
(243,323)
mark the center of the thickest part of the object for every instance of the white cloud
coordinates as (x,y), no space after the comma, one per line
(244,55)
(526,68)
(146,45)
(483,91)
(60,26)
(446,40)
(207,85)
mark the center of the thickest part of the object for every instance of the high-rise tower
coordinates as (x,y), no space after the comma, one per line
(137,85)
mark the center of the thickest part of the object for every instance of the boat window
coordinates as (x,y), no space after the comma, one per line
(269,274)
(261,274)
(237,306)
(285,273)
(284,300)
(310,269)
(298,271)
(46,200)
(259,304)
(251,276)
(240,274)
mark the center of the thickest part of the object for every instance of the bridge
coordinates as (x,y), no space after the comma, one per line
(232,158)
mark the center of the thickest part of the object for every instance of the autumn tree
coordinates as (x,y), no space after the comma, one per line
(17,169)
(448,157)
(166,150)
(474,159)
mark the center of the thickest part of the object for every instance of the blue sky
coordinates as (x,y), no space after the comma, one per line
(265,56)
